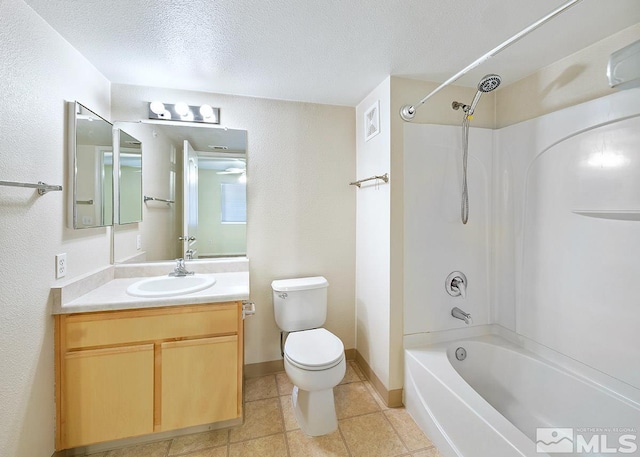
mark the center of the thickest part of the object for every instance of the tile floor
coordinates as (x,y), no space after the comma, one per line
(367,427)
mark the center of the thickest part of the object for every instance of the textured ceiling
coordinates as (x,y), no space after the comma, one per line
(323,51)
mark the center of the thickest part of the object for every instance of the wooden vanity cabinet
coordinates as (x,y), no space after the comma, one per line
(127,373)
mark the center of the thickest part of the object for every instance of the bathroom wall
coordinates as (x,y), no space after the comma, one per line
(39,72)
(575,79)
(301,210)
(373,237)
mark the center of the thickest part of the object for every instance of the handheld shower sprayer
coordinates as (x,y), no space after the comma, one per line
(486,84)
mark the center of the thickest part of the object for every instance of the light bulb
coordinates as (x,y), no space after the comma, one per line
(156,107)
(182,109)
(206,111)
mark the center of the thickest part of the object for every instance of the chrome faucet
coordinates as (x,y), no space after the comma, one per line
(459,314)
(181,269)
(459,284)
(456,284)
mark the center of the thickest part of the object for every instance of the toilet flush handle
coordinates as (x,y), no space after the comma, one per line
(283,295)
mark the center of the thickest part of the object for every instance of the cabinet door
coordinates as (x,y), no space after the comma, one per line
(107,394)
(199,382)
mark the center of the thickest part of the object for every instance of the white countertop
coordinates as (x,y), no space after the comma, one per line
(229,286)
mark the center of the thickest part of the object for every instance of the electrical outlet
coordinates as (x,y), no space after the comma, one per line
(61,265)
(139,242)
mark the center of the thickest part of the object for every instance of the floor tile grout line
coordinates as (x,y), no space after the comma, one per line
(397,433)
(258,437)
(344,440)
(284,425)
(183,454)
(400,436)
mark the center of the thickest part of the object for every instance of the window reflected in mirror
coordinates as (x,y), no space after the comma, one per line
(222,205)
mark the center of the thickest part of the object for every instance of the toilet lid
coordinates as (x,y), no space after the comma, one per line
(313,348)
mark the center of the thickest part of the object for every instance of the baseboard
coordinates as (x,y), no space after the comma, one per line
(391,398)
(255,370)
(145,439)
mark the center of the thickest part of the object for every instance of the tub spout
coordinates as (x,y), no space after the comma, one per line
(459,314)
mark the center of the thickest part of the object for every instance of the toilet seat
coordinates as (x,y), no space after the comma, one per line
(314,350)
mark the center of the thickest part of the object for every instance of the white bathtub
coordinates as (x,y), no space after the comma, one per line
(491,403)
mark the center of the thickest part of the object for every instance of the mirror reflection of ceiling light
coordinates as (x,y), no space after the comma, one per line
(183,112)
(607,159)
(232,171)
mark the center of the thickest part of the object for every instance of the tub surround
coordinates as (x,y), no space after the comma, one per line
(105,289)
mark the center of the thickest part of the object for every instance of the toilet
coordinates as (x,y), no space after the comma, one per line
(313,356)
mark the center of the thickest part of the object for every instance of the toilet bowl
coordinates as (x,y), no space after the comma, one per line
(315,363)
(313,356)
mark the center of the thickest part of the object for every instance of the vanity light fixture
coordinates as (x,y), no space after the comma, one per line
(183,112)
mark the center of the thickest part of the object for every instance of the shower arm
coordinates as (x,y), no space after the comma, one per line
(408,112)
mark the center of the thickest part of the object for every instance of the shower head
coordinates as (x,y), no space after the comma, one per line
(486,84)
(489,83)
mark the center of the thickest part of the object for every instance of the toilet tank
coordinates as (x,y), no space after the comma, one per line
(300,303)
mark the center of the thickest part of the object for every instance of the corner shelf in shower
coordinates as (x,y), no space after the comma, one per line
(616,214)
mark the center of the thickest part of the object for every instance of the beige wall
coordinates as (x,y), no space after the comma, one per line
(575,79)
(372,237)
(39,72)
(301,210)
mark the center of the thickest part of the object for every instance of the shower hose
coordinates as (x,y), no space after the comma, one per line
(464,206)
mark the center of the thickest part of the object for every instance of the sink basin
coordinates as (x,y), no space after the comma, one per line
(170,286)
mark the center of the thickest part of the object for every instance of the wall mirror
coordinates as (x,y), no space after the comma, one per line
(129,178)
(194,193)
(90,169)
